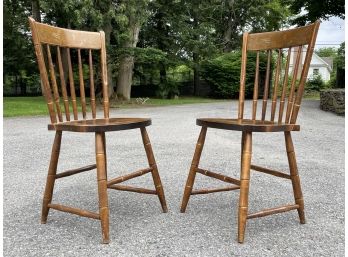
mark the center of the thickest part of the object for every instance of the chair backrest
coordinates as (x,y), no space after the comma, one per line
(285,85)
(63,44)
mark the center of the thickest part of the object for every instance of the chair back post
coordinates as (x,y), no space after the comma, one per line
(104,74)
(243,76)
(43,72)
(304,73)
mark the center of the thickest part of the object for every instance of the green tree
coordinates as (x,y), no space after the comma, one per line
(131,16)
(90,15)
(315,10)
(158,33)
(341,56)
(326,52)
(18,52)
(234,17)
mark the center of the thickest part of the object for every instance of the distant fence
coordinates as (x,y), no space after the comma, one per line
(185,89)
(184,81)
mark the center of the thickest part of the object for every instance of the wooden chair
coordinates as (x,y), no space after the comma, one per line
(51,42)
(286,122)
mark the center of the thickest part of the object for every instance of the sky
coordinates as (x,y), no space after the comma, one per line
(330,32)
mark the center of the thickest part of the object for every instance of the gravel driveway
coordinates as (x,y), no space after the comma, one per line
(209,227)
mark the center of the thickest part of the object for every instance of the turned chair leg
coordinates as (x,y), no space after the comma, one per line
(244,184)
(194,165)
(102,184)
(51,176)
(295,179)
(152,163)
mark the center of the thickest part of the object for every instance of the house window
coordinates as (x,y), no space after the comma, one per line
(315,72)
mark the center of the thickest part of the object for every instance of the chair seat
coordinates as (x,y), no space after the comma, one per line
(246,125)
(101,125)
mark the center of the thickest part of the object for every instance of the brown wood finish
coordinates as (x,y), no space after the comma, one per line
(242,78)
(101,125)
(54,84)
(76,171)
(271,211)
(247,125)
(83,44)
(102,185)
(284,88)
(266,87)
(295,178)
(129,176)
(281,39)
(51,176)
(276,82)
(293,85)
(152,163)
(286,122)
(213,190)
(244,184)
(91,79)
(63,85)
(256,86)
(72,87)
(76,211)
(218,176)
(194,165)
(134,189)
(82,86)
(270,172)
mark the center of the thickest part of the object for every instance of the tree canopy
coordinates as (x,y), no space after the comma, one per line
(149,38)
(312,10)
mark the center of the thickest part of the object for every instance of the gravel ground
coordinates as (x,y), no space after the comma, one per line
(209,227)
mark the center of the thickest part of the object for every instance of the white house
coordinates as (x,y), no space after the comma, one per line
(319,65)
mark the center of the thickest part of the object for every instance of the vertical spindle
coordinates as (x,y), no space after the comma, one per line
(265,92)
(72,87)
(256,86)
(82,86)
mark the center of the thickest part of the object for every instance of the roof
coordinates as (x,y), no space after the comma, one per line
(316,61)
(328,60)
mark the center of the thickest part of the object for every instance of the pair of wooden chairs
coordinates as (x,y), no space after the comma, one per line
(52,43)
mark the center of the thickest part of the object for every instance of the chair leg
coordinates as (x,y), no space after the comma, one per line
(152,163)
(244,184)
(194,165)
(295,179)
(102,184)
(51,176)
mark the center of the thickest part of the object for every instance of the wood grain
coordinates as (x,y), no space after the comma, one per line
(288,40)
(71,44)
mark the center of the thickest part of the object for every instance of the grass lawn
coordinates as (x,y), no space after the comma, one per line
(30,106)
(314,95)
(24,106)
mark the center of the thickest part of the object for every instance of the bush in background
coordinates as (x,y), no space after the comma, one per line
(223,74)
(315,83)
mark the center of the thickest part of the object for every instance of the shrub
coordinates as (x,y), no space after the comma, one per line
(315,83)
(223,74)
(168,89)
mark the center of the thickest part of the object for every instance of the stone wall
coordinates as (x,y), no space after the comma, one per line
(332,100)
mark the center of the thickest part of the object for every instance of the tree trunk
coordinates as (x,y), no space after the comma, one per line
(108,29)
(124,79)
(196,81)
(161,27)
(163,73)
(35,8)
(229,29)
(125,73)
